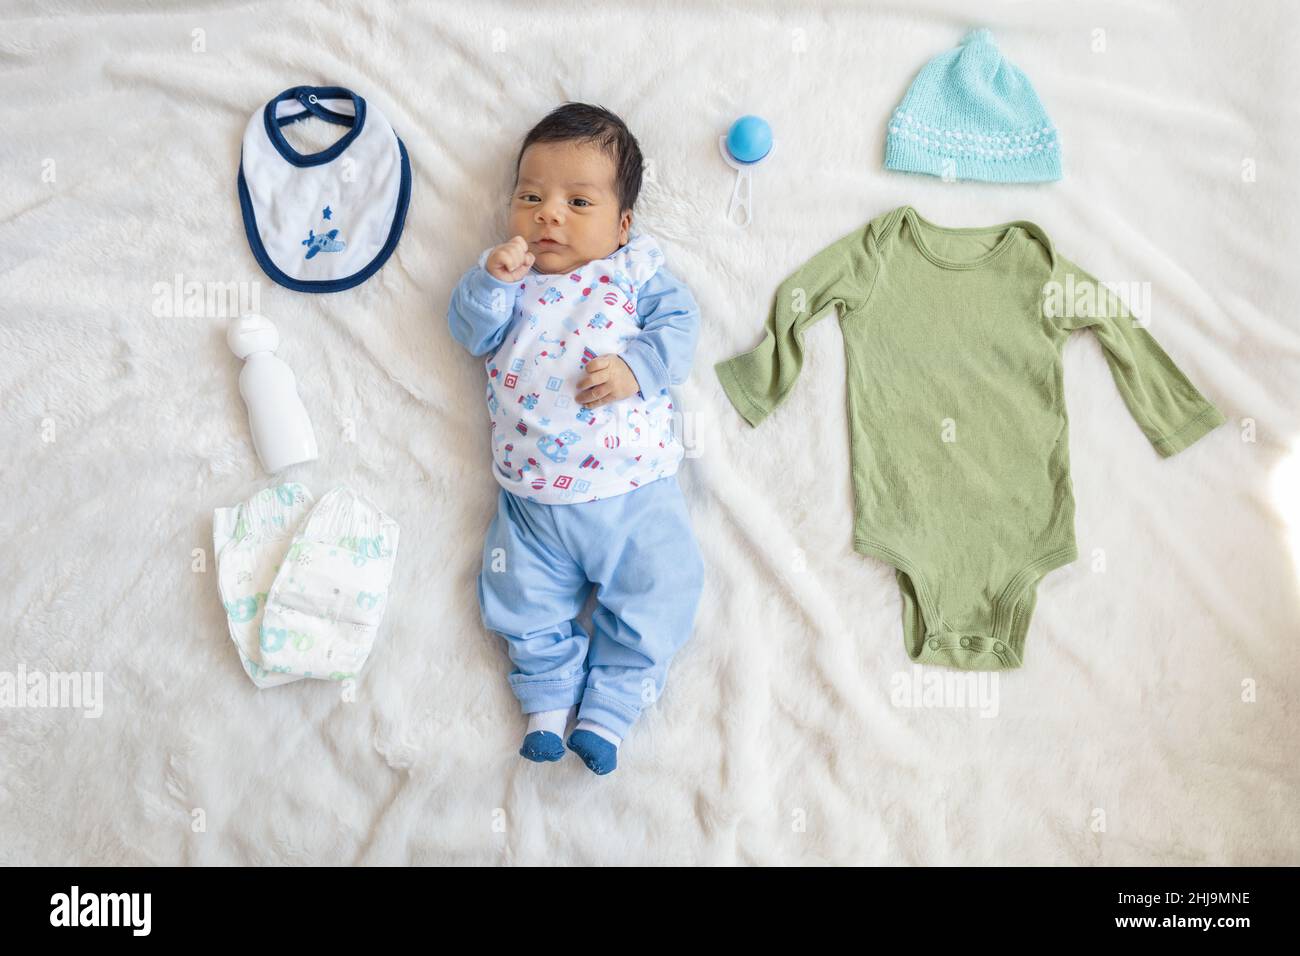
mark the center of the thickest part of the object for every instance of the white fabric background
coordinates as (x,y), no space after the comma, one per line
(1123,740)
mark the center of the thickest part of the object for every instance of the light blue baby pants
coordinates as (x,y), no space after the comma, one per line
(539,563)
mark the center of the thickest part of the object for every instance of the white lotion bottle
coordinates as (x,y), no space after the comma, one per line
(278,419)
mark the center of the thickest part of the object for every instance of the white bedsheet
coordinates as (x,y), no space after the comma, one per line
(1154,721)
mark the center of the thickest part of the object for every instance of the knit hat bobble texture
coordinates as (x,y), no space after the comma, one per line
(970,114)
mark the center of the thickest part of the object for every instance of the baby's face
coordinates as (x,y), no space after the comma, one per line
(566,207)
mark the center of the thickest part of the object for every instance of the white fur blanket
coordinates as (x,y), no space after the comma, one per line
(1150,722)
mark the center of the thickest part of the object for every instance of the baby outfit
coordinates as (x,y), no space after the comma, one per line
(959,439)
(587,497)
(548,448)
(304,585)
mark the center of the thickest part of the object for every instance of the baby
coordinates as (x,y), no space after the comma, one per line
(584,330)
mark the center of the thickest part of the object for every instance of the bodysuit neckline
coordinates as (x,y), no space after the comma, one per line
(919,224)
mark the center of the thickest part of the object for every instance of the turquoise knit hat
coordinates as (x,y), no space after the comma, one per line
(972,115)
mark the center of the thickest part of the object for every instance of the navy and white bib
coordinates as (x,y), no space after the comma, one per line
(326,221)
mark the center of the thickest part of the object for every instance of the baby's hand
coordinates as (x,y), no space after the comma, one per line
(510,261)
(608,379)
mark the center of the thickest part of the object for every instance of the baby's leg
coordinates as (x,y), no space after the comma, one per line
(530,592)
(643,556)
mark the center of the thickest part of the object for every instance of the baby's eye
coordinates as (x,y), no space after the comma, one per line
(530,197)
(580,203)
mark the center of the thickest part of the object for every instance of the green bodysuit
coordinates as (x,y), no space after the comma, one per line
(956,405)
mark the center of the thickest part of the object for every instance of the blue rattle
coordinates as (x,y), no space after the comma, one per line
(747,143)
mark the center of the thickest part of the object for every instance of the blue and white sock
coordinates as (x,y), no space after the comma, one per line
(596,745)
(544,738)
(552,721)
(600,731)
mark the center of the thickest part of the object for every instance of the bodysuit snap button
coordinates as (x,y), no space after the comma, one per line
(965,642)
(934,643)
(998,647)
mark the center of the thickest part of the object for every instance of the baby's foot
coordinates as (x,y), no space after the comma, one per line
(596,745)
(542,740)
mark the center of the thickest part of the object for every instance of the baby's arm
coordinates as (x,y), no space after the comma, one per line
(480,310)
(483,302)
(662,354)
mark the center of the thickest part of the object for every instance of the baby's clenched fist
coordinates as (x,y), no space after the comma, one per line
(510,261)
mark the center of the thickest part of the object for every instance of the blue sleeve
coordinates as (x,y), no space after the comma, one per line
(480,310)
(663,353)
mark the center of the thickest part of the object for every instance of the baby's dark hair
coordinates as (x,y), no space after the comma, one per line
(584,123)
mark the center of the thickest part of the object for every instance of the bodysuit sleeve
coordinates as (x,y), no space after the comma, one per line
(839,278)
(670,325)
(480,310)
(1167,407)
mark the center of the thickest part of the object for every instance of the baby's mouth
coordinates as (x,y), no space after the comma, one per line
(548,244)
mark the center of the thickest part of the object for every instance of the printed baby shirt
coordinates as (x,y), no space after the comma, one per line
(956,404)
(545,446)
